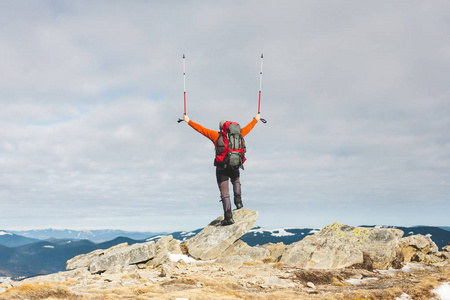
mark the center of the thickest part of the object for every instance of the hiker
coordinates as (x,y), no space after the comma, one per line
(223,174)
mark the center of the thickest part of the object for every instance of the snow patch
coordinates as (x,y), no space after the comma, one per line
(429,235)
(404,296)
(177,257)
(4,279)
(5,233)
(443,291)
(314,231)
(409,267)
(49,246)
(358,281)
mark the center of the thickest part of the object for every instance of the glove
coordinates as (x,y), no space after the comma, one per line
(258,117)
(186,118)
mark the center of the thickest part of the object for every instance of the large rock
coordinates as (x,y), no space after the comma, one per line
(338,246)
(164,247)
(275,250)
(84,260)
(124,256)
(214,239)
(242,248)
(414,244)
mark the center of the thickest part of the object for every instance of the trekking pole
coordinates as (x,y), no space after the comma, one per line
(184,83)
(260,85)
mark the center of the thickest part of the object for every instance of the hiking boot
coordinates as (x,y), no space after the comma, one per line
(238,202)
(227,218)
(227,222)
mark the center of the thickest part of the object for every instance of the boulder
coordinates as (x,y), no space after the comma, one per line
(209,243)
(124,256)
(414,244)
(241,248)
(428,259)
(83,260)
(168,244)
(275,250)
(164,247)
(339,246)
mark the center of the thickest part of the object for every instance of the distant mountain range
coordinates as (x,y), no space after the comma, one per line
(10,239)
(96,236)
(25,256)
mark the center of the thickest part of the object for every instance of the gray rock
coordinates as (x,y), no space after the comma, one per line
(411,245)
(83,260)
(275,250)
(209,243)
(124,256)
(428,258)
(242,248)
(338,246)
(169,245)
(160,258)
(234,261)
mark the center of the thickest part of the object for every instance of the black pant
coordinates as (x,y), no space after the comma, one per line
(222,176)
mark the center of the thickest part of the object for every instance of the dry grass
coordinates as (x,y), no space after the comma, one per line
(269,260)
(242,283)
(38,291)
(252,263)
(278,265)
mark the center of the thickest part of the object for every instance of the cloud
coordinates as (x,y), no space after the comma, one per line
(355,97)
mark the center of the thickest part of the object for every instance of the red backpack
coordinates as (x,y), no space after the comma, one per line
(230,148)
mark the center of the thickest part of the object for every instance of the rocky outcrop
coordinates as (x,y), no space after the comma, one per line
(133,254)
(336,258)
(418,247)
(339,246)
(117,258)
(84,260)
(243,249)
(214,239)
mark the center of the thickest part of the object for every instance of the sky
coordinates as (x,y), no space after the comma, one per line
(355,94)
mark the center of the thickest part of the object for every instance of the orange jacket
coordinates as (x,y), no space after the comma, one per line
(214,135)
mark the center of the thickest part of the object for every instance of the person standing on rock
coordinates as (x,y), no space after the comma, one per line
(223,172)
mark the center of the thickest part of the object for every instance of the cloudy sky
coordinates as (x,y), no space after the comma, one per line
(356,95)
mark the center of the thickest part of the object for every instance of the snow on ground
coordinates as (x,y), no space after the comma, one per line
(4,279)
(404,296)
(4,233)
(360,281)
(443,291)
(408,267)
(177,257)
(49,246)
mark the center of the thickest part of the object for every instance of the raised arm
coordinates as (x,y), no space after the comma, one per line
(249,127)
(210,134)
